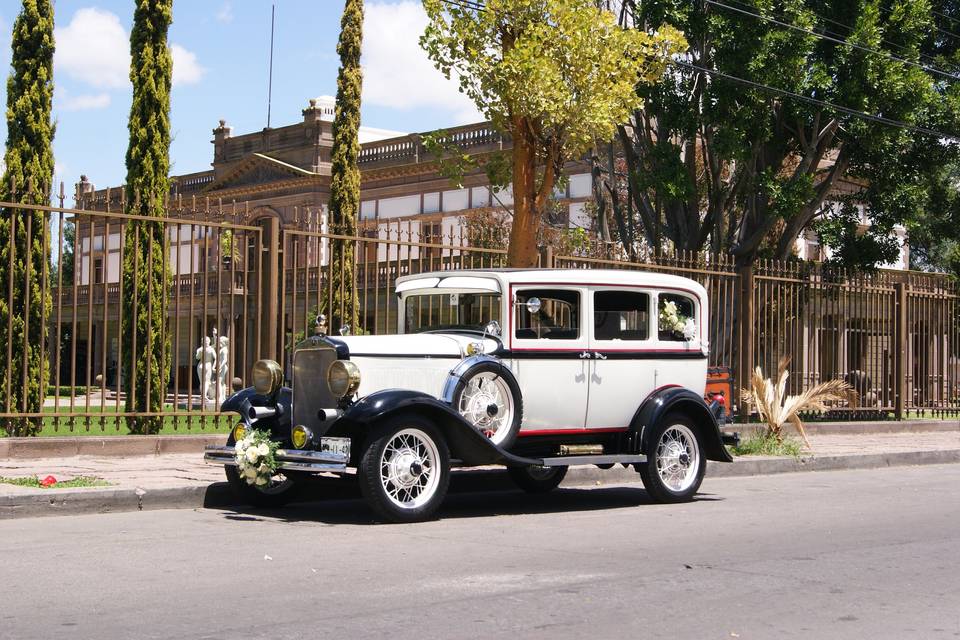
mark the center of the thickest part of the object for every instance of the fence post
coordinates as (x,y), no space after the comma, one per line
(900,351)
(269,282)
(745,334)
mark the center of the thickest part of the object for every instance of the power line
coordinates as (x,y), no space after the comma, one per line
(851,29)
(840,41)
(823,103)
(784,92)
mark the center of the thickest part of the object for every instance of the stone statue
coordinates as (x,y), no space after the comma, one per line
(206,364)
(223,365)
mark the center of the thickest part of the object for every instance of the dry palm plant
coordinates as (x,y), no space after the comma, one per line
(777,409)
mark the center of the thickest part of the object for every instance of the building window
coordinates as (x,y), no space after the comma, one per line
(98,271)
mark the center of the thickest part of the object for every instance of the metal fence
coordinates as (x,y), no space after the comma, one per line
(256,286)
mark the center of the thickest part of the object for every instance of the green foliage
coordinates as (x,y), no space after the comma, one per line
(24,235)
(761,443)
(345,174)
(713,163)
(145,278)
(34,482)
(555,75)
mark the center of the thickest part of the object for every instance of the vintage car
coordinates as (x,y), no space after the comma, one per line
(536,370)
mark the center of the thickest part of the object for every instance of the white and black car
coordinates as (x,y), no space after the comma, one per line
(536,370)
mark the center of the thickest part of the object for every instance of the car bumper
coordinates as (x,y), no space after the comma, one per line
(287,460)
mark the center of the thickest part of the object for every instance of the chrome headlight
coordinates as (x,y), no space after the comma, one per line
(267,377)
(343,378)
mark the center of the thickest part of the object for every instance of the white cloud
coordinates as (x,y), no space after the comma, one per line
(63,100)
(95,49)
(225,13)
(397,72)
(186,69)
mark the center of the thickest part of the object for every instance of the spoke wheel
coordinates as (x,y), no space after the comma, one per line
(675,465)
(536,479)
(409,468)
(677,457)
(405,470)
(489,398)
(282,489)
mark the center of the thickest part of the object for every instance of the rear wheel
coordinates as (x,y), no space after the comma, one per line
(405,469)
(675,464)
(537,479)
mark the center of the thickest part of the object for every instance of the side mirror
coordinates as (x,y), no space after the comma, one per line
(492,328)
(533,306)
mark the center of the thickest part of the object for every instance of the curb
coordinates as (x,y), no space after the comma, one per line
(38,503)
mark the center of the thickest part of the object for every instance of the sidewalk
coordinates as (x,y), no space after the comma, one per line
(178,480)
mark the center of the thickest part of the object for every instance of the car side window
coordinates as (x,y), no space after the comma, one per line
(557,318)
(676,317)
(621,315)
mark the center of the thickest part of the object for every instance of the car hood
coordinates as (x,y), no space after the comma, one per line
(418,344)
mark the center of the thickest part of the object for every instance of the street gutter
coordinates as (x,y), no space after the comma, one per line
(30,503)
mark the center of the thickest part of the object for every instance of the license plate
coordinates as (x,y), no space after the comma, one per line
(336,445)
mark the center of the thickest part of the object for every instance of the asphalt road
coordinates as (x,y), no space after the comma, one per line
(854,554)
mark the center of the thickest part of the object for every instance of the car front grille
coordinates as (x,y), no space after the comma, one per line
(310,391)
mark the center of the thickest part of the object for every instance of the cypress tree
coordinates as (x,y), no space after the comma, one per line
(345,174)
(24,234)
(146,356)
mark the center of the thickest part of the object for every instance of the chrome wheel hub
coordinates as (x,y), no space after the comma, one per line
(678,458)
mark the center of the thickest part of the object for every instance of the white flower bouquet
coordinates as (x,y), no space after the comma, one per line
(256,458)
(672,321)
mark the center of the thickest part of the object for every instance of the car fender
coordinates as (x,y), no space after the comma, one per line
(464,366)
(465,442)
(241,401)
(674,398)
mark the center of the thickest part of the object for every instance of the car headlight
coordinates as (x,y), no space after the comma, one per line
(343,378)
(239,432)
(267,377)
(300,436)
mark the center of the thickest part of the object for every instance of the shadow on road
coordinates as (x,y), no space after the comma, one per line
(475,494)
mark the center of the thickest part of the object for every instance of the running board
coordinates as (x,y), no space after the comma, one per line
(572,461)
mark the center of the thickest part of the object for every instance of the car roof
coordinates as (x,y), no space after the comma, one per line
(613,277)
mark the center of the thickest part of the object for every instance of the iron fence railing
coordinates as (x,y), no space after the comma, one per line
(894,336)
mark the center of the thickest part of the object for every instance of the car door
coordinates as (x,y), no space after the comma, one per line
(549,356)
(621,345)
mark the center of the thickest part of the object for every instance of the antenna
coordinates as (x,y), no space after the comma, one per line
(273,12)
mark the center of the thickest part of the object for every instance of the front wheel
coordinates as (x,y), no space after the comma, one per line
(405,470)
(282,489)
(537,479)
(675,465)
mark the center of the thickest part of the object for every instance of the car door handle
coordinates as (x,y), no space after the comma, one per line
(585,355)
(599,356)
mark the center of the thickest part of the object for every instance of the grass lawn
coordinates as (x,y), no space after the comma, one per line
(105,422)
(35,483)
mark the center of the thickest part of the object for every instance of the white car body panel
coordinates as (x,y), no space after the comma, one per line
(575,385)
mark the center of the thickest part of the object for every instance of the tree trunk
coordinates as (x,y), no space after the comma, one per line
(526,217)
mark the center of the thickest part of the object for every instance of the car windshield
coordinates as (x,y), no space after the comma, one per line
(450,311)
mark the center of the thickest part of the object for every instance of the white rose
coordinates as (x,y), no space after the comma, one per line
(264,449)
(239,447)
(690,329)
(252,455)
(263,469)
(261,481)
(250,473)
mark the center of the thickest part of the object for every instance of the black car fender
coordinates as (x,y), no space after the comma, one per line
(679,399)
(278,424)
(465,442)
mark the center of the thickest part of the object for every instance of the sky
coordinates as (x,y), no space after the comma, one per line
(221,59)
